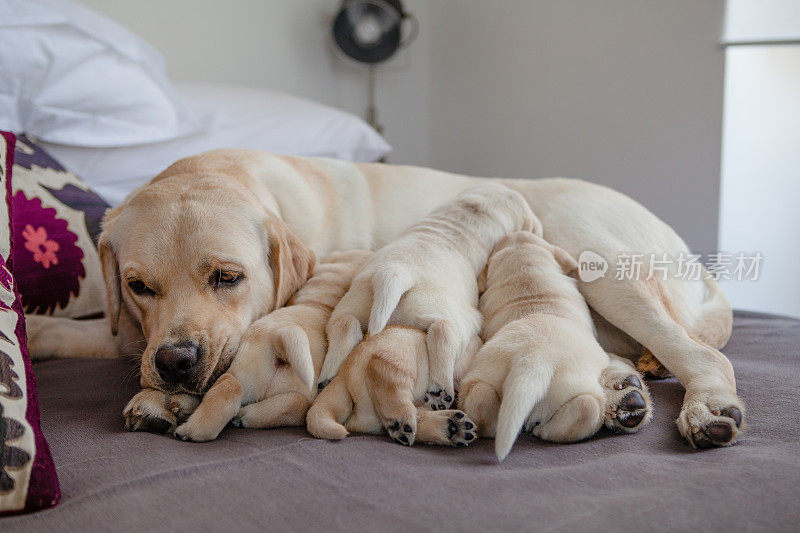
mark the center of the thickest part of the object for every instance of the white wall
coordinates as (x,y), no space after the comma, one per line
(761,174)
(627,93)
(284,45)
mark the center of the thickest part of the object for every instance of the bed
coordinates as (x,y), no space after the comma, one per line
(284,480)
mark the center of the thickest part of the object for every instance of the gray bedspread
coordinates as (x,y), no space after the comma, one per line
(283,480)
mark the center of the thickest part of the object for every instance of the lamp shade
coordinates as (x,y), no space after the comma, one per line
(762,22)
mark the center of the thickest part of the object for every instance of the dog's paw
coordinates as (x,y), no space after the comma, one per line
(182,406)
(147,411)
(712,420)
(438,399)
(322,384)
(628,405)
(192,431)
(460,430)
(404,432)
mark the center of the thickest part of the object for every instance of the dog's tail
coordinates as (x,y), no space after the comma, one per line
(525,385)
(291,343)
(388,286)
(330,410)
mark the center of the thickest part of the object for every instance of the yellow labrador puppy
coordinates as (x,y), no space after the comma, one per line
(541,365)
(426,279)
(248,206)
(381,386)
(270,381)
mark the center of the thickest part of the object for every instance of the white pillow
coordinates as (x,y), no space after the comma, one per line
(69,75)
(241,118)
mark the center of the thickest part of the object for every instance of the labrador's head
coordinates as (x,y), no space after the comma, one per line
(195,260)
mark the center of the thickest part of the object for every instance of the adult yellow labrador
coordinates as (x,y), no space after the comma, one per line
(220,239)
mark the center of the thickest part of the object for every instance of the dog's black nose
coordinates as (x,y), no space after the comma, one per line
(175,362)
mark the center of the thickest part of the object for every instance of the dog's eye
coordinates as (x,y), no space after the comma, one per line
(225,278)
(139,288)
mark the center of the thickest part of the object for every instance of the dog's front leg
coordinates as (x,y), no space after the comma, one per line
(156,411)
(220,404)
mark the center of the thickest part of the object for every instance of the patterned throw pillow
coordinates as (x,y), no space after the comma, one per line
(56,225)
(27,475)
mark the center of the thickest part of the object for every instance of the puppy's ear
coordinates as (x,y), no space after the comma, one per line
(291,344)
(110,265)
(532,223)
(482,279)
(564,259)
(291,262)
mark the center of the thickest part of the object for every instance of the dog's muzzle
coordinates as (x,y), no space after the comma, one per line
(176,362)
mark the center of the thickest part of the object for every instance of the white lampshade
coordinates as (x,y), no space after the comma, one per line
(762,22)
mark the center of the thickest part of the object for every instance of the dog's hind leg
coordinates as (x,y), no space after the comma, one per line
(344,333)
(345,328)
(578,419)
(443,346)
(712,414)
(330,410)
(449,427)
(287,409)
(481,402)
(628,405)
(66,338)
(390,387)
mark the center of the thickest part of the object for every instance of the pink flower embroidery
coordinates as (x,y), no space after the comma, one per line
(43,249)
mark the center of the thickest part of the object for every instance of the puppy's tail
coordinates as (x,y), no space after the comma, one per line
(388,286)
(331,408)
(525,385)
(291,342)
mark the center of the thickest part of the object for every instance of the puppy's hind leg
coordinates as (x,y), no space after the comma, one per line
(443,345)
(481,402)
(578,419)
(329,411)
(628,406)
(287,409)
(390,387)
(449,427)
(344,333)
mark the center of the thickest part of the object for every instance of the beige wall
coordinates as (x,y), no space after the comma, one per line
(627,93)
(283,45)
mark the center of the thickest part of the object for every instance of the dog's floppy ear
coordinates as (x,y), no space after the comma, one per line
(291,262)
(110,265)
(291,345)
(482,279)
(564,259)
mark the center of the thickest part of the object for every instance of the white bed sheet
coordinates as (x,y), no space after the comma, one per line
(242,118)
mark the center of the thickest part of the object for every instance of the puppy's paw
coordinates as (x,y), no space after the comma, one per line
(712,420)
(628,405)
(438,399)
(404,432)
(147,411)
(193,431)
(182,406)
(322,384)
(461,431)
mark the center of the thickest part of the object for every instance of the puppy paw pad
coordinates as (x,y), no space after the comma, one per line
(402,432)
(437,399)
(461,430)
